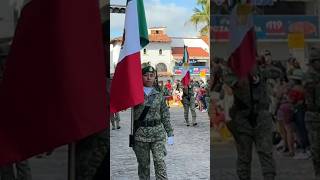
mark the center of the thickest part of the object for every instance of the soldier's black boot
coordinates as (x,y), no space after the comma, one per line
(113,125)
(117,124)
(187,123)
(194,123)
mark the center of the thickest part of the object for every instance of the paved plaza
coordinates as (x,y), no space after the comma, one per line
(223,160)
(187,159)
(53,167)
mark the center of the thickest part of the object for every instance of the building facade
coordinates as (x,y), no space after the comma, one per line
(165,54)
(274,24)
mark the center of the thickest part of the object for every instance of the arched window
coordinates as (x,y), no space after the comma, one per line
(160,52)
(161,67)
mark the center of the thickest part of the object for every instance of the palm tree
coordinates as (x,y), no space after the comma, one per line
(202,16)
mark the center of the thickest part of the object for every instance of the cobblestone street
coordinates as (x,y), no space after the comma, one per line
(187,159)
(53,167)
(223,160)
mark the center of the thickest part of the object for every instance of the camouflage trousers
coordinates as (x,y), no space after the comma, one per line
(22,168)
(246,136)
(90,153)
(313,127)
(189,104)
(142,151)
(115,120)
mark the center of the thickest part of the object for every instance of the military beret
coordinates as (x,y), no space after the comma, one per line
(314,55)
(148,69)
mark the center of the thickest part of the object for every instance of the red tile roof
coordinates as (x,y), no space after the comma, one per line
(194,52)
(162,38)
(205,39)
(159,38)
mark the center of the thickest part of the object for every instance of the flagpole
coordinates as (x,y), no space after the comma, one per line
(132,120)
(72,161)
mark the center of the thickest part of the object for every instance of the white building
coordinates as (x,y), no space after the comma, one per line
(158,51)
(165,53)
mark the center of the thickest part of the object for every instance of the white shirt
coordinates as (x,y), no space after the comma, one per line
(147,90)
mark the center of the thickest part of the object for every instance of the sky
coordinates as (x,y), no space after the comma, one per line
(173,14)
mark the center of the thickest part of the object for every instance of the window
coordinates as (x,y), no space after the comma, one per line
(144,51)
(157,32)
(160,52)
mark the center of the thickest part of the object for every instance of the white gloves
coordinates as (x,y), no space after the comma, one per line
(170,140)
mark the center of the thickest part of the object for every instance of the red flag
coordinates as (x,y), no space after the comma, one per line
(185,73)
(54,86)
(243,50)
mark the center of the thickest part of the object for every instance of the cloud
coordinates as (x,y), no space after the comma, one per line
(171,15)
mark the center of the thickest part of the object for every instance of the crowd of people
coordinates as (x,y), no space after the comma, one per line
(174,92)
(290,95)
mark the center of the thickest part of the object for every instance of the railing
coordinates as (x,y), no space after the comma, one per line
(121,9)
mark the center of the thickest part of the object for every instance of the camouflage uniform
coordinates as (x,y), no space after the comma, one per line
(188,101)
(251,124)
(274,74)
(312,116)
(90,153)
(150,135)
(115,120)
(22,168)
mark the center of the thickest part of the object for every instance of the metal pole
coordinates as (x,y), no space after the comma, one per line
(72,161)
(132,120)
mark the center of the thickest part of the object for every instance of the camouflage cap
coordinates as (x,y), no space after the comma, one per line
(314,55)
(148,69)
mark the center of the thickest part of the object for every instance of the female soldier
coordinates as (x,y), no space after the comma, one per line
(151,125)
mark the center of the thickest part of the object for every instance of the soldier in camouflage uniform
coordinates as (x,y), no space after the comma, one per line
(251,122)
(188,101)
(312,116)
(115,120)
(268,65)
(151,130)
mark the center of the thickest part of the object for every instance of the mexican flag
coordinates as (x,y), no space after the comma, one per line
(54,86)
(243,46)
(185,72)
(127,86)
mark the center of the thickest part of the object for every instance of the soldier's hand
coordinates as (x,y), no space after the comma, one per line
(170,140)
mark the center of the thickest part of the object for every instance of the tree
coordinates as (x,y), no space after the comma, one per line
(202,16)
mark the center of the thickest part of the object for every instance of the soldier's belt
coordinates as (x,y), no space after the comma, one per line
(149,123)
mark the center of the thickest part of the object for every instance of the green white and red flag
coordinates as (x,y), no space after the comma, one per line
(127,86)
